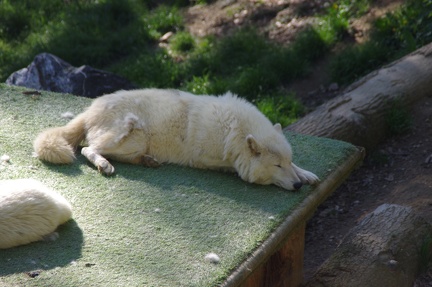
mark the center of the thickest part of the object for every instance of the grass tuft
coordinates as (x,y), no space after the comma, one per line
(182,42)
(398,118)
(392,36)
(425,254)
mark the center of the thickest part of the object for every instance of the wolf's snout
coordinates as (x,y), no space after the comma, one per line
(297,185)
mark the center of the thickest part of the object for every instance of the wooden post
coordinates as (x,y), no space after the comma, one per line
(285,266)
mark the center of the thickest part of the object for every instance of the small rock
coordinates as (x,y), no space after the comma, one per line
(312,93)
(166,36)
(212,258)
(34,274)
(238,21)
(5,158)
(393,262)
(50,73)
(389,177)
(333,87)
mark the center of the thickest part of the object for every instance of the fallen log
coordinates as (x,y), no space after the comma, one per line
(358,114)
(382,250)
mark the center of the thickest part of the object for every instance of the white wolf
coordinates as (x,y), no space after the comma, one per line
(151,126)
(29,211)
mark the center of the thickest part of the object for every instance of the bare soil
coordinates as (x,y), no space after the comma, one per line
(398,171)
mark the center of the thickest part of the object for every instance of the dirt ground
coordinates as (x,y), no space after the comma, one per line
(398,171)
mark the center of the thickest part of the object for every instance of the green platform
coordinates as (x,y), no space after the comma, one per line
(149,227)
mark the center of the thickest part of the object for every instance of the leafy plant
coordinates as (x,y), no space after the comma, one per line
(425,254)
(182,42)
(161,20)
(283,109)
(392,36)
(122,36)
(354,62)
(398,118)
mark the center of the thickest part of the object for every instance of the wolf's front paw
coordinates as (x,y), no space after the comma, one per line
(306,176)
(309,177)
(105,167)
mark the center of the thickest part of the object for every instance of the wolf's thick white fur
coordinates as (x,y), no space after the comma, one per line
(29,211)
(151,126)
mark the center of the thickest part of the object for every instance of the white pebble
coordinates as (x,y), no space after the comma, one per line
(68,115)
(212,258)
(5,158)
(157,210)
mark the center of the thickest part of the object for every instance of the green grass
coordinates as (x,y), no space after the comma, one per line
(280,110)
(182,43)
(425,254)
(247,64)
(122,36)
(398,118)
(392,36)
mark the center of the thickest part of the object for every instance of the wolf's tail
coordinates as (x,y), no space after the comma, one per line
(57,145)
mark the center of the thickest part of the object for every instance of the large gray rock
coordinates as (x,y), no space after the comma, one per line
(50,73)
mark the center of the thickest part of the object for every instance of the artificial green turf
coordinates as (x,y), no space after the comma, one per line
(143,226)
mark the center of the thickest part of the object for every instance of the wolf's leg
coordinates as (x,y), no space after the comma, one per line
(305,176)
(98,160)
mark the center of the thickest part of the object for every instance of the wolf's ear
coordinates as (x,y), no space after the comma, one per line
(278,128)
(253,145)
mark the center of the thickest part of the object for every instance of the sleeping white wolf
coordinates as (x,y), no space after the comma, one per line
(152,126)
(29,211)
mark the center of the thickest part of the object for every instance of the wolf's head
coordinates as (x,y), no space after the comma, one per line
(269,161)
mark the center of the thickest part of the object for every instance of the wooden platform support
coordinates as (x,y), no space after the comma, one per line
(285,267)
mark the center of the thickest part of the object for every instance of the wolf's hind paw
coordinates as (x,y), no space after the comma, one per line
(105,167)
(149,161)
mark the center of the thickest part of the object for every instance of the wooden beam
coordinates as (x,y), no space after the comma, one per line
(285,266)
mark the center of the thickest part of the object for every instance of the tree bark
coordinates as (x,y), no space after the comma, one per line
(358,115)
(382,250)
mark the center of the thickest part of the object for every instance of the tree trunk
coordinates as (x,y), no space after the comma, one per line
(382,250)
(358,115)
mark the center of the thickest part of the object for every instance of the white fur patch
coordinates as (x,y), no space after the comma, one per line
(132,121)
(30,211)
(129,123)
(67,115)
